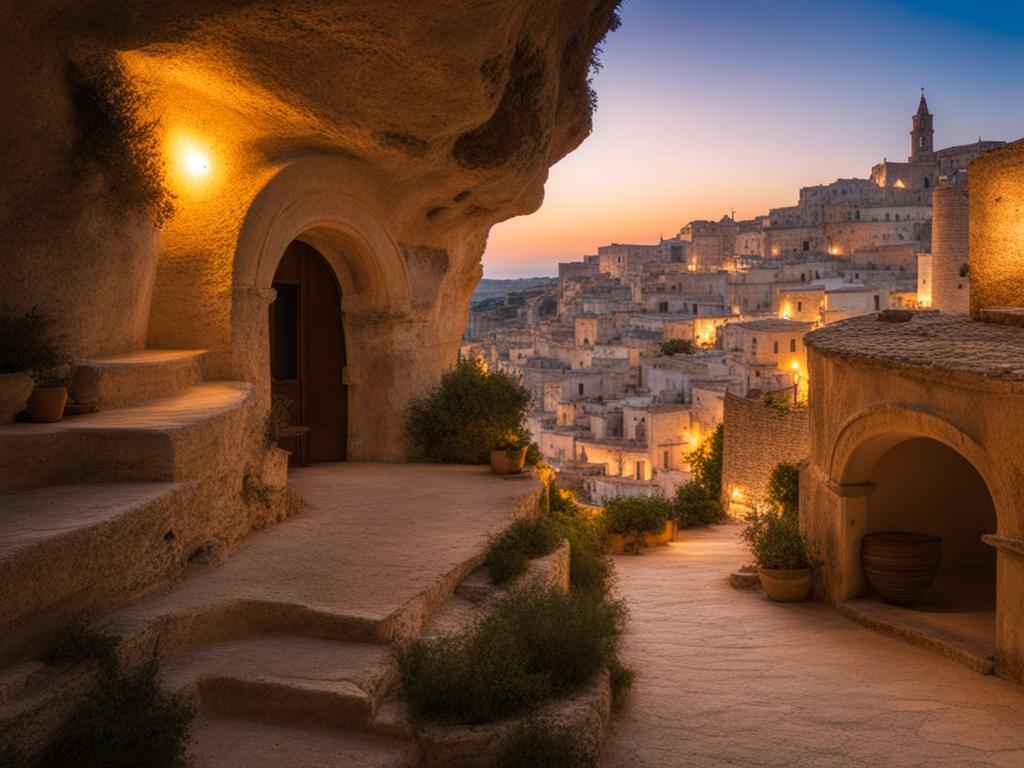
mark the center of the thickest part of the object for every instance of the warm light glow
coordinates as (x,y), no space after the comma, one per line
(796,366)
(196,163)
(899,184)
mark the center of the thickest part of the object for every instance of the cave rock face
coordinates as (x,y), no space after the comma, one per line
(390,136)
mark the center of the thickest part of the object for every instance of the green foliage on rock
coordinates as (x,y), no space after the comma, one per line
(509,553)
(29,343)
(469,413)
(784,488)
(779,402)
(775,540)
(537,742)
(79,644)
(678,347)
(537,644)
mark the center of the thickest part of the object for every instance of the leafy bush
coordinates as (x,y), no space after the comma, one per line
(536,644)
(775,541)
(636,514)
(678,347)
(128,721)
(118,140)
(692,506)
(784,488)
(535,743)
(777,401)
(28,343)
(706,464)
(509,553)
(470,412)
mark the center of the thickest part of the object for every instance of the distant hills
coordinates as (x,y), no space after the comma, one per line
(494,289)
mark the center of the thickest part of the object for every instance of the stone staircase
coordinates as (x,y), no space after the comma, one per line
(102,507)
(287,647)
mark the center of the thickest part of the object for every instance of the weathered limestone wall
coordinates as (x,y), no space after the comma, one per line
(390,136)
(996,184)
(755,439)
(951,291)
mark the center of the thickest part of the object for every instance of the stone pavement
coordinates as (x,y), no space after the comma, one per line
(727,678)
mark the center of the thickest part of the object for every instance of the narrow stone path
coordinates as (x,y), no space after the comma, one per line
(727,678)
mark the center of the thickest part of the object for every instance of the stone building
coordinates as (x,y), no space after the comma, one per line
(334,170)
(915,425)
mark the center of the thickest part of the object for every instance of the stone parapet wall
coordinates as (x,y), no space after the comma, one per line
(755,439)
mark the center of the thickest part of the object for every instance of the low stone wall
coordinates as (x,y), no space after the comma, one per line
(756,438)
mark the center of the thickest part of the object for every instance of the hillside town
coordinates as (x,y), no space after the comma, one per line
(637,353)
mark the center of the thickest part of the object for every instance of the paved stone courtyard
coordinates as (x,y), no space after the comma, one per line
(727,678)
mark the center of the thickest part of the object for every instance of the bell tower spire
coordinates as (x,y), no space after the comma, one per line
(922,134)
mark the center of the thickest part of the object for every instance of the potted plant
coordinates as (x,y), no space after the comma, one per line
(49,397)
(780,554)
(634,522)
(28,351)
(509,456)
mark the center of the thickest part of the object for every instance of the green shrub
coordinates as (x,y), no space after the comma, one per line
(126,722)
(777,401)
(28,343)
(542,744)
(678,347)
(784,488)
(636,514)
(775,541)
(692,506)
(706,464)
(509,553)
(470,412)
(536,644)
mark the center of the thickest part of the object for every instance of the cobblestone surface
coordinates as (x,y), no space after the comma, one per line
(727,678)
(930,340)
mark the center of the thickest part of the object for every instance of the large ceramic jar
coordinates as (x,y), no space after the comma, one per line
(900,567)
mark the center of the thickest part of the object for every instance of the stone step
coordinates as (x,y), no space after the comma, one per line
(897,623)
(285,679)
(229,743)
(185,436)
(68,549)
(136,377)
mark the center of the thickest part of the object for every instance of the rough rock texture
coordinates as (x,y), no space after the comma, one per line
(996,192)
(390,136)
(727,678)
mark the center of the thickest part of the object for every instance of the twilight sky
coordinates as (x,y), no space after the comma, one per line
(711,106)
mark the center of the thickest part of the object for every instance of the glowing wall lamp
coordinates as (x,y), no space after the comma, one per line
(196,163)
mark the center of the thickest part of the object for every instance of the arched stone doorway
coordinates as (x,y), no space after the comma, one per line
(307,355)
(924,486)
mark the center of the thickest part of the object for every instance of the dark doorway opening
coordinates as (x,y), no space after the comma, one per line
(307,355)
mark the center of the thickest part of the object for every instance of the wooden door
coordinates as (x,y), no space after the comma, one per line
(307,355)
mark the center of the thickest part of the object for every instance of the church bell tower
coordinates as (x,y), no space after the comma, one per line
(922,135)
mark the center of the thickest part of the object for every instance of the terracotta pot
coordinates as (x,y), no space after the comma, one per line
(900,567)
(15,389)
(503,464)
(618,543)
(46,404)
(786,586)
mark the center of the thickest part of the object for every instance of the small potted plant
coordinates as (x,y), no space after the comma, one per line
(634,522)
(509,456)
(780,554)
(49,397)
(29,353)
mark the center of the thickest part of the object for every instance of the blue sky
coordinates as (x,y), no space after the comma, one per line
(707,107)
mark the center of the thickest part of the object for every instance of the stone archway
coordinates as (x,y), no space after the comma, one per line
(332,206)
